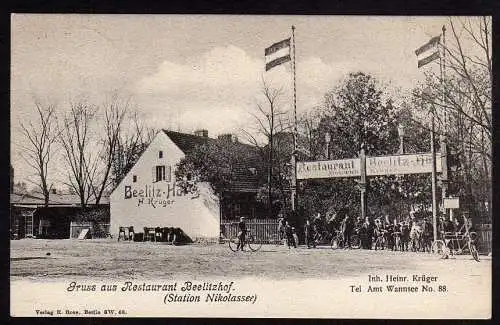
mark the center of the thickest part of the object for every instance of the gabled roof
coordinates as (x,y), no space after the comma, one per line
(246,173)
(36,199)
(186,142)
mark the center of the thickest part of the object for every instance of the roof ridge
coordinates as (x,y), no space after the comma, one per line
(209,139)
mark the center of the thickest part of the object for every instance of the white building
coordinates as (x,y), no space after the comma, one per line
(148,196)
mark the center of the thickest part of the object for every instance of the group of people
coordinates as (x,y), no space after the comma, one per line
(318,229)
(377,233)
(381,233)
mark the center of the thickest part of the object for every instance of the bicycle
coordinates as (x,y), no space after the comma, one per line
(397,241)
(321,237)
(250,241)
(380,239)
(276,239)
(338,240)
(461,241)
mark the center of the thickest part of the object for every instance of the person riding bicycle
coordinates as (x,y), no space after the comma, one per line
(242,226)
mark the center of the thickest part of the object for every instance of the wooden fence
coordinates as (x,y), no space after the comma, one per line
(77,227)
(265,230)
(484,232)
(97,230)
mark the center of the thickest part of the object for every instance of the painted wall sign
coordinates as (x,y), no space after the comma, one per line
(401,164)
(375,166)
(158,194)
(328,168)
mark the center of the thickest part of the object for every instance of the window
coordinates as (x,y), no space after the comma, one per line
(28,230)
(160,154)
(134,178)
(235,210)
(162,173)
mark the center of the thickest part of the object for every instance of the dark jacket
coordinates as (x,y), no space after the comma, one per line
(242,226)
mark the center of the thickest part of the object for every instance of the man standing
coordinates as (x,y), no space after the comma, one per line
(308,232)
(289,235)
(368,225)
(348,229)
(281,227)
(242,226)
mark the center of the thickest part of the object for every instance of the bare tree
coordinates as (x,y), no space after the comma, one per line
(270,121)
(465,94)
(79,154)
(114,114)
(131,142)
(464,97)
(41,137)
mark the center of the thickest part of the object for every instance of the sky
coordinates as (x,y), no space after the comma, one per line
(187,72)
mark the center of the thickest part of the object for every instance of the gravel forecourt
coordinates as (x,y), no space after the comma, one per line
(322,281)
(39,259)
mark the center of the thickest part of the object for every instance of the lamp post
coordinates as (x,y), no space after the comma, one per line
(327,140)
(401,133)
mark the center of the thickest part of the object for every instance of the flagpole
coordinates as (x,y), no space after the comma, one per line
(294,153)
(443,138)
(421,63)
(434,180)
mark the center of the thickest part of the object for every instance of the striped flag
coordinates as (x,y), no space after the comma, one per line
(431,45)
(277,54)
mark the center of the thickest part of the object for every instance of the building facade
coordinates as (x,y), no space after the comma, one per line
(31,218)
(149,196)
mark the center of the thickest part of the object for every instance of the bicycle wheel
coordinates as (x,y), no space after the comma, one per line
(396,243)
(439,247)
(355,242)
(233,243)
(336,243)
(254,244)
(473,251)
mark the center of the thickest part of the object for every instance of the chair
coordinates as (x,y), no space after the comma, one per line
(148,233)
(121,230)
(158,234)
(131,233)
(165,234)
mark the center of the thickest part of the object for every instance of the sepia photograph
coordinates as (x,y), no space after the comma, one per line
(289,166)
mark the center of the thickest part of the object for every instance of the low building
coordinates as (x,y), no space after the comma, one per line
(31,218)
(150,197)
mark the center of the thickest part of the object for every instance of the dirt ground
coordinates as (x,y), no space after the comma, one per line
(38,259)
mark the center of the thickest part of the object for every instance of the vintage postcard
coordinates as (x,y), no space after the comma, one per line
(251,166)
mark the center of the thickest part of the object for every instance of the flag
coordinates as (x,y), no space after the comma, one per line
(277,54)
(431,45)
